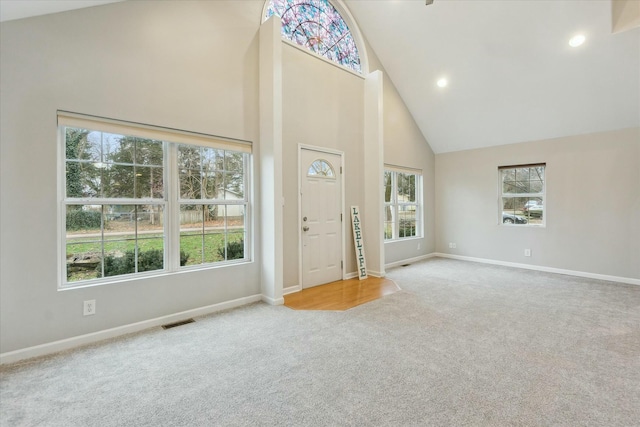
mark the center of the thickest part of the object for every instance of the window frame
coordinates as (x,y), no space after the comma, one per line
(353,31)
(529,195)
(395,205)
(170,202)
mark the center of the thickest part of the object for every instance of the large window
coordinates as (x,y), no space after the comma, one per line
(522,190)
(402,204)
(317,26)
(139,199)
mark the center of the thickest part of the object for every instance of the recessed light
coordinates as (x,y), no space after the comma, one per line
(577,40)
(442,82)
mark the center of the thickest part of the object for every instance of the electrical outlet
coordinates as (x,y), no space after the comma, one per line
(418,246)
(452,245)
(89,307)
(527,252)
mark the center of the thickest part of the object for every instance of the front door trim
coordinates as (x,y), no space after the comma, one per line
(342,213)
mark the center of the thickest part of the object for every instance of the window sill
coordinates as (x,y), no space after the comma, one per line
(148,275)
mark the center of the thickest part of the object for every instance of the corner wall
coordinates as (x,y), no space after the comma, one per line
(592,204)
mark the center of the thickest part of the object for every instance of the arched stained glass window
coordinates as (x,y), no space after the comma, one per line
(321,168)
(318,26)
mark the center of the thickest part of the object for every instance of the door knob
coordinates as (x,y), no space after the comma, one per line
(305,228)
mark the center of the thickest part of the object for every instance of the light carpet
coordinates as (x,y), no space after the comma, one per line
(463,344)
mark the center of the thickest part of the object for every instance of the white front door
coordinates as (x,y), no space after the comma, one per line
(321,217)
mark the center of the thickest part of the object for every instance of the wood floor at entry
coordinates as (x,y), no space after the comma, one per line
(341,295)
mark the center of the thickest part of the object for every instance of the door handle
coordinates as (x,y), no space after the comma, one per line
(305,228)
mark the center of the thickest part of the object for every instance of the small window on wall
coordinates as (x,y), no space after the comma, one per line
(402,204)
(522,190)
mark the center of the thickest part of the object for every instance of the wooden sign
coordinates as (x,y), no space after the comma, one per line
(358,243)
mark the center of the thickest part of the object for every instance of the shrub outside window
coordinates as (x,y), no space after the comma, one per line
(402,204)
(133,202)
(522,193)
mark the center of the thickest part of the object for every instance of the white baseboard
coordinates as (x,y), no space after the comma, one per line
(272,301)
(348,276)
(606,277)
(409,261)
(291,289)
(375,273)
(69,343)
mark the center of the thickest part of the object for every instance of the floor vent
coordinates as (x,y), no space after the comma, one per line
(180,323)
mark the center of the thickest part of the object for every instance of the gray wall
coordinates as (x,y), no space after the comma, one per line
(404,145)
(186,65)
(592,204)
(322,106)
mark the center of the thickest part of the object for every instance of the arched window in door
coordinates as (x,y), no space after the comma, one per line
(321,168)
(318,26)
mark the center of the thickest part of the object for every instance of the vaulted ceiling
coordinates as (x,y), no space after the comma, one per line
(512,76)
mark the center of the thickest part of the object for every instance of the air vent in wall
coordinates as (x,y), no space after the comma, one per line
(180,323)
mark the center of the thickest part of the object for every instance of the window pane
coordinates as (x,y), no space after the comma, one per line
(389,222)
(235,217)
(118,149)
(508,178)
(119,257)
(387,186)
(83,259)
(214,244)
(190,184)
(83,179)
(120,222)
(150,220)
(150,253)
(235,246)
(234,186)
(512,210)
(149,182)
(212,159)
(215,233)
(407,221)
(83,219)
(406,188)
(81,144)
(234,162)
(214,185)
(118,181)
(522,180)
(149,152)
(536,186)
(191,231)
(190,248)
(188,157)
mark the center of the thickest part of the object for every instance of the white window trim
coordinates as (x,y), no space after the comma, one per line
(395,204)
(171,230)
(542,195)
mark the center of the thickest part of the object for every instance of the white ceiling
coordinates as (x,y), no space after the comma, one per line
(18,9)
(512,75)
